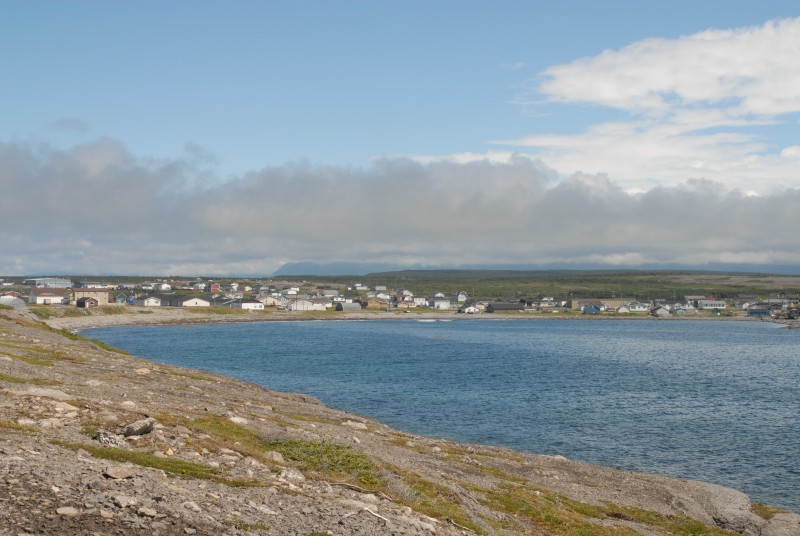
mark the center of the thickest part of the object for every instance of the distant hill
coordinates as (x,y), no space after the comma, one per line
(363,269)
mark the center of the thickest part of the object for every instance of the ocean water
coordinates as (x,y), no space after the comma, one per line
(707,400)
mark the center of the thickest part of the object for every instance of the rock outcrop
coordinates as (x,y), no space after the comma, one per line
(92,444)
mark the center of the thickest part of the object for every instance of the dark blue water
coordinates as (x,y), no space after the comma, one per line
(714,401)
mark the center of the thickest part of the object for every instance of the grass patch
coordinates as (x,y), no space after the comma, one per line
(33,381)
(113,310)
(74,312)
(31,360)
(247,527)
(4,307)
(171,466)
(42,312)
(433,499)
(11,425)
(189,375)
(330,460)
(531,511)
(764,511)
(75,337)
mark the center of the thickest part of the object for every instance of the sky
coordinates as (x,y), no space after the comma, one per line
(225,138)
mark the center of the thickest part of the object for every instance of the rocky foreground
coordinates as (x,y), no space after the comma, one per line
(94,441)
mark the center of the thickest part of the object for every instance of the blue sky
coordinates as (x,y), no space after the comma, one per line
(622,95)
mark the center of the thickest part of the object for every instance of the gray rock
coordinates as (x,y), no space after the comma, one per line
(123,501)
(291,475)
(191,505)
(140,427)
(67,511)
(119,472)
(108,439)
(147,512)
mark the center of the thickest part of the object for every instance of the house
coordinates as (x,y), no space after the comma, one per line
(460,297)
(659,311)
(379,288)
(591,309)
(756,310)
(48,282)
(270,301)
(348,306)
(638,307)
(302,304)
(251,305)
(711,304)
(329,293)
(193,301)
(469,309)
(495,307)
(623,309)
(102,295)
(376,303)
(46,296)
(172,300)
(150,301)
(439,302)
(87,303)
(214,288)
(420,301)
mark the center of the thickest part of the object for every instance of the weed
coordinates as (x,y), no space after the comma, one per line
(765,511)
(10,425)
(171,466)
(328,459)
(433,499)
(33,381)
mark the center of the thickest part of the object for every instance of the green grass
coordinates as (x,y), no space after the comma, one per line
(10,425)
(532,511)
(42,312)
(330,460)
(33,381)
(327,460)
(432,499)
(75,337)
(765,511)
(171,466)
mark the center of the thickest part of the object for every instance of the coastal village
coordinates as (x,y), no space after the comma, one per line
(294,297)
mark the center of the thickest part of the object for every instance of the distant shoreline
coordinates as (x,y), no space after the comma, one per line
(179,316)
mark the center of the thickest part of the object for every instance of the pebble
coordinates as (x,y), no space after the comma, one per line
(67,511)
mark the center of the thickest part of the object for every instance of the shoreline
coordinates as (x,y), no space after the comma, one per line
(135,315)
(59,393)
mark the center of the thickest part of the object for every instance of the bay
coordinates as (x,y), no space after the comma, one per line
(708,400)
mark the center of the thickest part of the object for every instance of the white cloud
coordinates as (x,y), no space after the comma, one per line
(694,104)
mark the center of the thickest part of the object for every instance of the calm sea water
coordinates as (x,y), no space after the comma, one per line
(714,401)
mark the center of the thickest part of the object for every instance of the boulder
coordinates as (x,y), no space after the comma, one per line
(140,427)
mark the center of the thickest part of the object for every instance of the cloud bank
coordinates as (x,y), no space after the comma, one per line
(96,208)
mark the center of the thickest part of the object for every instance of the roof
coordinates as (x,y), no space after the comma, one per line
(44,291)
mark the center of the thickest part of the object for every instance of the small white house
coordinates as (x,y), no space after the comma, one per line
(304,305)
(711,304)
(252,305)
(151,301)
(46,296)
(195,302)
(439,302)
